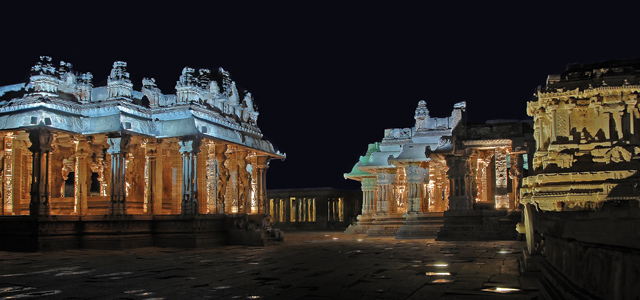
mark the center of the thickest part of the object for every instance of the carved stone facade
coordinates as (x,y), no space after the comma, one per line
(582,203)
(69,148)
(440,165)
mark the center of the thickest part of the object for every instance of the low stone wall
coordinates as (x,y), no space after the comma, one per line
(596,252)
(479,225)
(26,233)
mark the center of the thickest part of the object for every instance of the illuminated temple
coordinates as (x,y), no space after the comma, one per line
(133,168)
(582,202)
(445,177)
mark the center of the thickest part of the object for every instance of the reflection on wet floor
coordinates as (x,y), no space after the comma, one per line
(308,265)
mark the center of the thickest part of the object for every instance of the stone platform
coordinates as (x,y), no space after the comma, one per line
(309,265)
(26,233)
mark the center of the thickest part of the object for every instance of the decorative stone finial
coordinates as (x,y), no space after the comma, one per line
(422,110)
(118,83)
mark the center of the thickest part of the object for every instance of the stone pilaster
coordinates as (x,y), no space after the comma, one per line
(41,149)
(189,150)
(118,148)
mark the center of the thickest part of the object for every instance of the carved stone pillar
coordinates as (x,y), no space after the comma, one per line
(459,198)
(368,195)
(515,174)
(41,150)
(153,191)
(501,196)
(415,177)
(189,150)
(7,174)
(386,197)
(231,194)
(212,178)
(223,179)
(81,191)
(118,148)
(262,164)
(244,183)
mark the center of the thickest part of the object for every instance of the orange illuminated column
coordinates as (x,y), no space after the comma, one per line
(7,175)
(81,192)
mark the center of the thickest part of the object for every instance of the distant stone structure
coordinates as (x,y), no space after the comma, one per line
(581,204)
(314,208)
(72,149)
(445,177)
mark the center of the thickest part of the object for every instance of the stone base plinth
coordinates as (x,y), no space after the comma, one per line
(420,225)
(26,233)
(362,226)
(385,225)
(479,225)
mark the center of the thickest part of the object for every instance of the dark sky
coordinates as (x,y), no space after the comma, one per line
(328,80)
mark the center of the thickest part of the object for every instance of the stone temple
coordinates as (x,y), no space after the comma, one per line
(445,178)
(581,204)
(109,166)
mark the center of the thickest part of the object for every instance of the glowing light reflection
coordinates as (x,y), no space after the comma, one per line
(438,273)
(442,281)
(500,290)
(438,265)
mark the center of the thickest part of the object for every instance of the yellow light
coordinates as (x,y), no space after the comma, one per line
(438,273)
(438,265)
(500,290)
(442,281)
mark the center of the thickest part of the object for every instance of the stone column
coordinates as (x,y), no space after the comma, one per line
(154,172)
(386,197)
(459,198)
(212,176)
(83,149)
(118,148)
(262,164)
(501,196)
(368,195)
(415,177)
(7,174)
(189,150)
(231,193)
(41,150)
(515,174)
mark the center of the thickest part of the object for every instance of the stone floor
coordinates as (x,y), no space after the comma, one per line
(309,265)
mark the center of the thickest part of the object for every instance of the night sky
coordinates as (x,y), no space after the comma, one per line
(327,80)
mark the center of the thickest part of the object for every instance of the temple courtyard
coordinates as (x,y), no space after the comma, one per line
(308,265)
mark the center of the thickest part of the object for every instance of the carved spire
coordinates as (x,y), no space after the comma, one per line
(229,87)
(422,114)
(44,76)
(118,84)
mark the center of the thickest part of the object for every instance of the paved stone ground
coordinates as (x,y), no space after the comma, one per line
(309,265)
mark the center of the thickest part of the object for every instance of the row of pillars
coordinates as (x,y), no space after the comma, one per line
(41,149)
